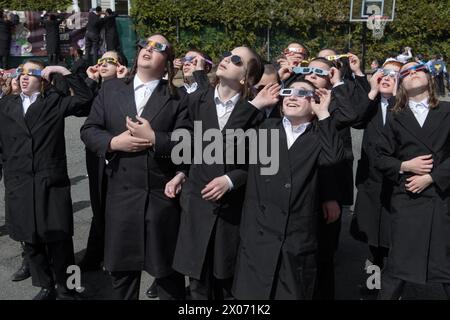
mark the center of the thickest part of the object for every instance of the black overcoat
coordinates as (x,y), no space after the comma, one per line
(374,191)
(278,229)
(38,204)
(420,223)
(205,221)
(141,223)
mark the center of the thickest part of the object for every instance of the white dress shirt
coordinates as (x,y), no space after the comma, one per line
(293,132)
(224,108)
(27,101)
(142,92)
(420,110)
(191,88)
(384,106)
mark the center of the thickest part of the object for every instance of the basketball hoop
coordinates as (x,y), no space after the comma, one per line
(377,23)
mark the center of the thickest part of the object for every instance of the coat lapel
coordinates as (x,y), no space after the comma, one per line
(14,110)
(210,119)
(34,112)
(409,122)
(433,121)
(157,101)
(128,103)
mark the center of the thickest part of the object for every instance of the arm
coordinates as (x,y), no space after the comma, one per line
(441,175)
(202,79)
(332,148)
(387,147)
(79,103)
(94,133)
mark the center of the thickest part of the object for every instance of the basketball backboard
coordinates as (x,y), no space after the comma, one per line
(361,10)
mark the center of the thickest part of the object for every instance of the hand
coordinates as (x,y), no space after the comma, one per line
(127,143)
(355,64)
(335,76)
(283,63)
(214,190)
(420,165)
(93,72)
(141,129)
(285,72)
(267,97)
(47,71)
(177,64)
(199,62)
(173,187)
(375,84)
(321,109)
(416,184)
(122,71)
(331,211)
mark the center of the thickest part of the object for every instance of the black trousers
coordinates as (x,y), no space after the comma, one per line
(48,263)
(328,241)
(92,43)
(52,59)
(126,285)
(392,288)
(4,62)
(208,287)
(96,241)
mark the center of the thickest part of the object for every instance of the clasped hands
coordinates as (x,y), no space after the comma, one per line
(138,136)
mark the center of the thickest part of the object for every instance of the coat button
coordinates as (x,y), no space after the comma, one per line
(287,185)
(262,207)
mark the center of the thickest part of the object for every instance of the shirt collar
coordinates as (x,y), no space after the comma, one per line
(190,87)
(231,101)
(138,83)
(423,103)
(287,124)
(384,101)
(32,97)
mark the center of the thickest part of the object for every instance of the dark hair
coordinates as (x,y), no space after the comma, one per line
(402,99)
(303,80)
(109,11)
(323,60)
(98,9)
(170,52)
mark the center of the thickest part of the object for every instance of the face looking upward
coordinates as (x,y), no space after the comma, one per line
(319,81)
(108,70)
(189,66)
(231,71)
(30,84)
(151,60)
(388,82)
(415,80)
(295,57)
(298,108)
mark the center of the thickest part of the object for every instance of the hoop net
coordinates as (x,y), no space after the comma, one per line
(377,24)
